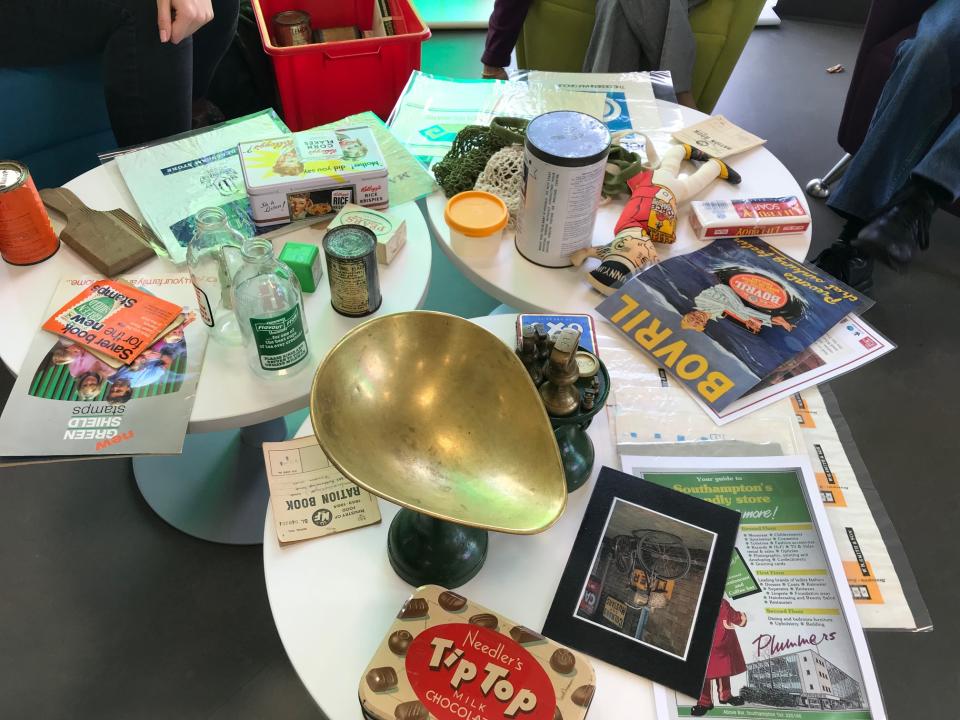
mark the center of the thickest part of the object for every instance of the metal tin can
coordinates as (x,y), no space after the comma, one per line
(564,157)
(351,252)
(292,27)
(26,235)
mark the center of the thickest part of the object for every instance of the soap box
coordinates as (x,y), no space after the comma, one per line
(391,232)
(448,658)
(753,216)
(313,174)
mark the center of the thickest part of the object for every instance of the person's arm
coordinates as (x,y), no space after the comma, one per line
(179,19)
(503,29)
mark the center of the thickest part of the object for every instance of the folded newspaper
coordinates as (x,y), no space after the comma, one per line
(67,403)
(727,317)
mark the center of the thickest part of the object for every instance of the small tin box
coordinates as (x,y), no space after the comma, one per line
(391,232)
(447,658)
(313,174)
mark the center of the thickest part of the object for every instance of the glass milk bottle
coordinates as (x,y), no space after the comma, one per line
(211,276)
(269,308)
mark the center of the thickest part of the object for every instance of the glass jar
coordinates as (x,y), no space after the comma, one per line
(269,307)
(211,275)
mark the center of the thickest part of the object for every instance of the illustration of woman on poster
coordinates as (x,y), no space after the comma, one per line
(726,660)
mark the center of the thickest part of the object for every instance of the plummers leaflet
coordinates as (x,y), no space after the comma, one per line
(788,642)
(68,403)
(723,318)
(113,318)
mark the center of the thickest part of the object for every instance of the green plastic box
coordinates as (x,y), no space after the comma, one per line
(304,260)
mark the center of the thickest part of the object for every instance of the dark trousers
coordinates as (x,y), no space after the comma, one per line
(504,27)
(908,135)
(149,85)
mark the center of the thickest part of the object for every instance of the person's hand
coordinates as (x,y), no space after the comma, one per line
(179,19)
(753,325)
(782,322)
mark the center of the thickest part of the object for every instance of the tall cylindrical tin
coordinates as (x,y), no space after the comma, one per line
(564,157)
(292,27)
(26,235)
(351,252)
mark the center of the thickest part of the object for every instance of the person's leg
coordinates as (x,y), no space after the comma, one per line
(210,43)
(914,103)
(503,29)
(705,702)
(679,51)
(148,84)
(616,43)
(940,167)
(902,228)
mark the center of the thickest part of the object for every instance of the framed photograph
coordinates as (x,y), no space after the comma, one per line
(644,581)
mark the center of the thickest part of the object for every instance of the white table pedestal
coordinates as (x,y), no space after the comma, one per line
(217,489)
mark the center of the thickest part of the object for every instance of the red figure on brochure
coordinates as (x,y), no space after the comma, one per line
(726,660)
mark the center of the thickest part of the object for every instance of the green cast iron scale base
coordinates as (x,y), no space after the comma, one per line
(426,551)
(576,447)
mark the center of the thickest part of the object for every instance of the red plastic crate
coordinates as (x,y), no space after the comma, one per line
(323,82)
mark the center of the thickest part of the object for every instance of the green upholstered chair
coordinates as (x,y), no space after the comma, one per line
(556,34)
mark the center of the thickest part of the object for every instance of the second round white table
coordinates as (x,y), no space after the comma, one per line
(216,489)
(333,598)
(500,270)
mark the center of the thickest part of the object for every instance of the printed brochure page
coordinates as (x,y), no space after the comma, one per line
(787,644)
(877,588)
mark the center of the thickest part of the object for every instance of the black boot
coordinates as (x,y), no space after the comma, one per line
(848,264)
(902,229)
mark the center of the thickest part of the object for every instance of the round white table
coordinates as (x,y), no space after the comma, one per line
(333,598)
(216,489)
(500,271)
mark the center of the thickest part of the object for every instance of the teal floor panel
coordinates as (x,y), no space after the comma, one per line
(455,13)
(453,53)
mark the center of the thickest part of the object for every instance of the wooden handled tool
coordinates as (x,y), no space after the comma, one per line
(112,241)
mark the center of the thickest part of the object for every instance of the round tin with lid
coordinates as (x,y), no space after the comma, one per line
(292,27)
(351,252)
(568,138)
(564,157)
(476,214)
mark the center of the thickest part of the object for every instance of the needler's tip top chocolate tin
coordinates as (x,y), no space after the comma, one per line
(448,658)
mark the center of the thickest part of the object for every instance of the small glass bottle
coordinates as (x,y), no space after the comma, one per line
(211,274)
(269,307)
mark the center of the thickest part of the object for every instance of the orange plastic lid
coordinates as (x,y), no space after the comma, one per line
(476,213)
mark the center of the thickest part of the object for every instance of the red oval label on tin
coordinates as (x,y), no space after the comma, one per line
(759,291)
(466,672)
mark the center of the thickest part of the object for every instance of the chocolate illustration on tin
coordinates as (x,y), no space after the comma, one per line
(454,659)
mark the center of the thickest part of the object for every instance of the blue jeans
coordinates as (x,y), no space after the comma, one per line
(907,137)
